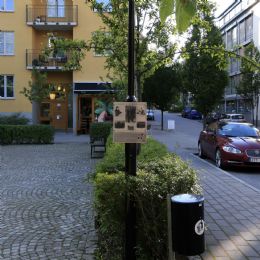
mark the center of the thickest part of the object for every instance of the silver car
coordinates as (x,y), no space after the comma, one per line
(233,118)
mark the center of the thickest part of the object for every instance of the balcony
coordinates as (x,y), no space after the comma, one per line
(36,59)
(52,17)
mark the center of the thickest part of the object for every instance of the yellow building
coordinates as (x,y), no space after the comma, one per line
(26,27)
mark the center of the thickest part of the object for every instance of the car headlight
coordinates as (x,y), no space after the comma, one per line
(230,149)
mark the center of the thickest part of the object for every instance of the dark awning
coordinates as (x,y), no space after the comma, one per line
(93,88)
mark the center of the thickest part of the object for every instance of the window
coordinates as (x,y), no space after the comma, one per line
(101,37)
(6,86)
(229,40)
(6,5)
(56,8)
(249,28)
(6,43)
(242,36)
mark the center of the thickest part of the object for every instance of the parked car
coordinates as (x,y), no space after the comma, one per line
(214,116)
(186,111)
(234,117)
(194,114)
(150,115)
(230,143)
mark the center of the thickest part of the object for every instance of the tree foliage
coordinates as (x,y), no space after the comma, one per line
(206,75)
(111,39)
(162,88)
(74,49)
(249,86)
(38,88)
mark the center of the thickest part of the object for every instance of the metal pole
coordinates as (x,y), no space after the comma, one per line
(130,149)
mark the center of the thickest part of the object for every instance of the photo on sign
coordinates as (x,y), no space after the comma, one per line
(117,111)
(131,128)
(130,114)
(120,124)
(140,111)
(140,125)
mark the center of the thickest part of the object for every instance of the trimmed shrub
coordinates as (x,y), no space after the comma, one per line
(164,174)
(114,159)
(15,119)
(26,134)
(100,129)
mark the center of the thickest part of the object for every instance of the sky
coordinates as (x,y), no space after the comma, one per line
(222,5)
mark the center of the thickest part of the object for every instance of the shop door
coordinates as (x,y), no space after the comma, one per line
(84,113)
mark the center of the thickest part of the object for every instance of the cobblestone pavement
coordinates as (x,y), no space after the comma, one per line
(46,202)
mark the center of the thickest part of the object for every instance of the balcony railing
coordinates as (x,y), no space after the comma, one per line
(36,59)
(58,16)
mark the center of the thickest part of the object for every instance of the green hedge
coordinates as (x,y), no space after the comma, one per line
(114,159)
(26,134)
(14,119)
(100,129)
(159,173)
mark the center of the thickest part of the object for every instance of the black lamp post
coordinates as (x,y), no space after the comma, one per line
(130,148)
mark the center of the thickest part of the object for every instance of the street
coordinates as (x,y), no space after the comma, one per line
(188,147)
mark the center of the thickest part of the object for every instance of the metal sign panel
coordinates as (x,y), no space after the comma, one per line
(129,122)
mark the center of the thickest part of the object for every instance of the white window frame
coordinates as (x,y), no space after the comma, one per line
(5,86)
(4,7)
(5,45)
(56,8)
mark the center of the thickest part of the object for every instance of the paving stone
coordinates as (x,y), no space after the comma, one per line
(46,203)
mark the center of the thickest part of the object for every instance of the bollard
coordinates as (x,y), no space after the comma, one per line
(187,221)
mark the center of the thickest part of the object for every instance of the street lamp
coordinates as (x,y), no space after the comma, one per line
(130,148)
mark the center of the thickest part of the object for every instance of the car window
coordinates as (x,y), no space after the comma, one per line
(238,130)
(237,117)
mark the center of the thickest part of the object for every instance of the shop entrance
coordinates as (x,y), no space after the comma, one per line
(85,113)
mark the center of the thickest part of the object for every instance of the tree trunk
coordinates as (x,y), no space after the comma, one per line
(162,120)
(35,112)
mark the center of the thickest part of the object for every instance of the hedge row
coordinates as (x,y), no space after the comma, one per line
(14,119)
(159,173)
(26,134)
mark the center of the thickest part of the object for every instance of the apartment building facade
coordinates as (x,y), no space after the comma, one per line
(26,27)
(240,25)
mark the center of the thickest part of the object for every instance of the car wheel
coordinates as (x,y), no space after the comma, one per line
(218,159)
(200,151)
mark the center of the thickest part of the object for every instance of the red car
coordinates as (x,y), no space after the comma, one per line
(230,143)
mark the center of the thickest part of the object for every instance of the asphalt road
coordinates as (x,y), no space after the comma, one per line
(191,130)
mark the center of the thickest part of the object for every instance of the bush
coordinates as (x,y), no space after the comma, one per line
(100,129)
(156,178)
(15,119)
(26,134)
(114,159)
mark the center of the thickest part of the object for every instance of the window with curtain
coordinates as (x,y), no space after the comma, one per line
(6,86)
(6,5)
(56,8)
(6,43)
(242,36)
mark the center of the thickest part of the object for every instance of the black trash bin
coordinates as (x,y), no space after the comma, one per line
(187,215)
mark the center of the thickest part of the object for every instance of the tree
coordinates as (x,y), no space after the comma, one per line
(37,91)
(162,88)
(249,86)
(206,75)
(111,40)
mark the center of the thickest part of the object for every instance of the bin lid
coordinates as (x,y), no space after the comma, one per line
(187,198)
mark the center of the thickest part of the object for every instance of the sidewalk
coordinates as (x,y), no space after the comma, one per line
(232,207)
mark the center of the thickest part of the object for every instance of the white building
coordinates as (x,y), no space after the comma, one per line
(239,24)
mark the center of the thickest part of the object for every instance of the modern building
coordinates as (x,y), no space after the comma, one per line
(240,25)
(26,27)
